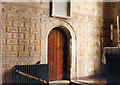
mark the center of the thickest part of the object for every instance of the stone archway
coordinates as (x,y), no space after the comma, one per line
(70,32)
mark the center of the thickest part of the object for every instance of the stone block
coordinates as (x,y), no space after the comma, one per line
(35,31)
(12,53)
(29,48)
(3,29)
(3,41)
(18,24)
(24,30)
(4,53)
(23,10)
(12,29)
(3,16)
(38,48)
(9,8)
(6,23)
(29,24)
(18,35)
(23,42)
(34,11)
(29,36)
(24,53)
(44,20)
(35,42)
(38,37)
(24,18)
(6,35)
(12,17)
(38,25)
(35,53)
(6,47)
(12,41)
(35,19)
(18,47)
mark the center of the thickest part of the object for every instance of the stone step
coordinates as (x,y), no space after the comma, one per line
(59,84)
(65,82)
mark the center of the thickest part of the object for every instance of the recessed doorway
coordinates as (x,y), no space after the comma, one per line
(58,55)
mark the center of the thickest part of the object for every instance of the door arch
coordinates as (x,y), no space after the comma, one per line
(58,55)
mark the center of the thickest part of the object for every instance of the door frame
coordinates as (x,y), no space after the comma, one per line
(68,29)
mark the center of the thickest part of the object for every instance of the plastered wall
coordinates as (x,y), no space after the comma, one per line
(89,30)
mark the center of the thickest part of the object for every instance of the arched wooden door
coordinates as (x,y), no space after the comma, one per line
(57,55)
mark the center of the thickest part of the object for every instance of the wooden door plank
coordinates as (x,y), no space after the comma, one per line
(52,51)
(58,53)
(50,56)
(60,38)
(54,57)
(61,56)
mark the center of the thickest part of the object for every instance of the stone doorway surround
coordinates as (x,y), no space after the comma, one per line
(68,29)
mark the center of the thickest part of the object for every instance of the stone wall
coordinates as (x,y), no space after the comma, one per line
(25,28)
(21,36)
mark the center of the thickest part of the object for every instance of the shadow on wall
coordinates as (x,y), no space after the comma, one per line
(105,37)
(107,20)
(7,77)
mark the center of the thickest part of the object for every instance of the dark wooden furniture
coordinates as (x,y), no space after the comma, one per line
(113,64)
(30,74)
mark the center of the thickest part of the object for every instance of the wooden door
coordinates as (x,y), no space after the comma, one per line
(57,54)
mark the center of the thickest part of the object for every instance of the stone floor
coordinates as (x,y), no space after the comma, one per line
(80,82)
